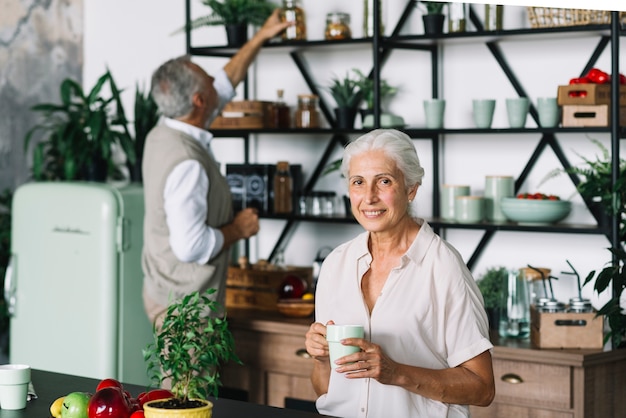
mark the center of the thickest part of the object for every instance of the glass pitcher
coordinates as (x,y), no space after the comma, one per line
(515,306)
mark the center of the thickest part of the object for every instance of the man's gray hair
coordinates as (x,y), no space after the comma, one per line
(173,85)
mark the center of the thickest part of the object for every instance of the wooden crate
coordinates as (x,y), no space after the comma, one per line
(566,329)
(588,94)
(255,288)
(244,114)
(589,115)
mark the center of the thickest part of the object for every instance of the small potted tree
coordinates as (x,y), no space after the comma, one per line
(235,15)
(188,350)
(347,95)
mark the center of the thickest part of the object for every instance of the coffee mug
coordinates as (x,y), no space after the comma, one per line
(517,111)
(14,379)
(334,335)
(469,209)
(548,110)
(434,110)
(483,112)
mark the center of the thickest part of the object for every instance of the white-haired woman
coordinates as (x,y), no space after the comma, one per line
(426,351)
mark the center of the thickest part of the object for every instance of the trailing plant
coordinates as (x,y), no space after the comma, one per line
(190,346)
(346,92)
(79,131)
(366,84)
(233,12)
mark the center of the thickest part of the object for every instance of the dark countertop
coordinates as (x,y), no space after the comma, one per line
(50,386)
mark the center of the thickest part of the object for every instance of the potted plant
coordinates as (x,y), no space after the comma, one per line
(235,15)
(80,133)
(366,84)
(492,286)
(434,17)
(188,350)
(347,95)
(606,201)
(146,117)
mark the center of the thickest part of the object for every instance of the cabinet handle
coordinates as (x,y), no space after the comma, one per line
(511,378)
(303,353)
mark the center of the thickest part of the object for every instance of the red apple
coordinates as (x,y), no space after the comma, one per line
(292,286)
(109,402)
(105,383)
(154,395)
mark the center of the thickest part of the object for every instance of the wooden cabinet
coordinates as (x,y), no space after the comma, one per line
(276,366)
(530,383)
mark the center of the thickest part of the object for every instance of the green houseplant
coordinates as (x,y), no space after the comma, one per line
(188,349)
(347,94)
(80,133)
(492,286)
(366,84)
(146,117)
(234,15)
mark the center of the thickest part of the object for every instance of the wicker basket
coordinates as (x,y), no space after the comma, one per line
(551,17)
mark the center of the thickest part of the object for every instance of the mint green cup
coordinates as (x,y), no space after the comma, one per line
(336,333)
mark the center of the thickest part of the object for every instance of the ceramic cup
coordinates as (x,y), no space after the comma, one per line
(449,192)
(497,187)
(434,110)
(548,110)
(482,110)
(14,379)
(517,111)
(334,334)
(469,209)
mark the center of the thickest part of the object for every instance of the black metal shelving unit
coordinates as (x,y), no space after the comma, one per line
(608,35)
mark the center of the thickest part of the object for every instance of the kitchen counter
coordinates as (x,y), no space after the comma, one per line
(49,386)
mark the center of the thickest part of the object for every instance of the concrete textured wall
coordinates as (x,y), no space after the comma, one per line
(41,43)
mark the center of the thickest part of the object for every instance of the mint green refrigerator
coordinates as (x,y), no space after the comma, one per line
(74,282)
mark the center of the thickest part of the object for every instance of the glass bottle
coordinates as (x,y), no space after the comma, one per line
(515,306)
(493,16)
(457,13)
(307,115)
(283,188)
(368,17)
(292,12)
(337,26)
(281,117)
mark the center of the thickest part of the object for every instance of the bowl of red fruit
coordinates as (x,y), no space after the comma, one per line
(535,208)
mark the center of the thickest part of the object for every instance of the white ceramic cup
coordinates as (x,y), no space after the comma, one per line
(336,333)
(14,379)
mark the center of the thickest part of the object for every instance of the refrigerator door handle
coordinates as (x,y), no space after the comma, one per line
(9,287)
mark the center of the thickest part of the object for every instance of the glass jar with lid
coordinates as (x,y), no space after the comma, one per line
(337,26)
(307,115)
(292,12)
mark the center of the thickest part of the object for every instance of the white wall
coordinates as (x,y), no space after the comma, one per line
(133,38)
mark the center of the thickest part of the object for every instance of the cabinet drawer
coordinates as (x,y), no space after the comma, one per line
(497,410)
(281,353)
(535,384)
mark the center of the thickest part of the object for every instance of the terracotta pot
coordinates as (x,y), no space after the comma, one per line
(205,411)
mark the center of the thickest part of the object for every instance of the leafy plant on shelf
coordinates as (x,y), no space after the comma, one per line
(434,7)
(234,12)
(190,346)
(346,92)
(492,285)
(366,84)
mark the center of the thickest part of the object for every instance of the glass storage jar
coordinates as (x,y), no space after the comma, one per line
(292,12)
(337,26)
(307,115)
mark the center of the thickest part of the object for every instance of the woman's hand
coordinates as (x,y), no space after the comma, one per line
(369,362)
(315,343)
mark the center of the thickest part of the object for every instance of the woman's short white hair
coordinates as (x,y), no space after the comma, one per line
(396,145)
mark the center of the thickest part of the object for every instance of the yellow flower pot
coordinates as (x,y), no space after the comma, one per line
(204,411)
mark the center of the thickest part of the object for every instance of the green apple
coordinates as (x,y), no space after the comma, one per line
(75,405)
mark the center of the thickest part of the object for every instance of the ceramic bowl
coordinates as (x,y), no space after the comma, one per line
(296,308)
(533,211)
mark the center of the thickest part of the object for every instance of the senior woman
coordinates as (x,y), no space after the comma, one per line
(426,351)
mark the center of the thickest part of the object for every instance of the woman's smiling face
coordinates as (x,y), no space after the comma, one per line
(378,196)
